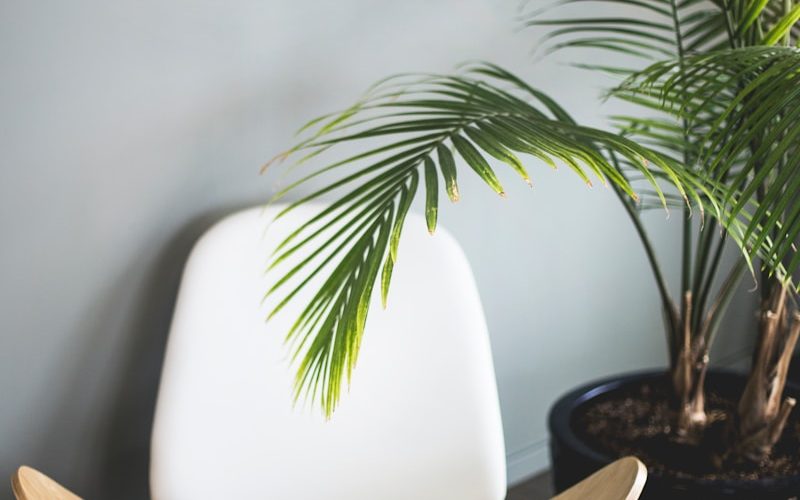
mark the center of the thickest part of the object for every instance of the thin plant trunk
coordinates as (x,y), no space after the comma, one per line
(688,379)
(762,411)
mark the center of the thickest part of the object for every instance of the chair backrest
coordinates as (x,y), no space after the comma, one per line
(30,484)
(421,419)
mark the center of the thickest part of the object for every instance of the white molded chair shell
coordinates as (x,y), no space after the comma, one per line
(421,420)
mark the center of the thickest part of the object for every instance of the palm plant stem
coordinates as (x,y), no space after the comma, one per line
(755,145)
(706,280)
(704,275)
(728,23)
(686,259)
(717,310)
(687,370)
(670,311)
(702,271)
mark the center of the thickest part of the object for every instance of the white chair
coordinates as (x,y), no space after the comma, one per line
(421,420)
(620,480)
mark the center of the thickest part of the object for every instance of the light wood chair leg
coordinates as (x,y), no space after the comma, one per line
(620,480)
(30,484)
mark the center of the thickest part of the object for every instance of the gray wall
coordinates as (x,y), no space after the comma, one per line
(127,128)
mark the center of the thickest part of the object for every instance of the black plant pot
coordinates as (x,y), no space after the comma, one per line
(794,370)
(573,459)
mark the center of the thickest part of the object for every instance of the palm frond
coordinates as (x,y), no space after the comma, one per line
(655,29)
(425,127)
(648,29)
(752,145)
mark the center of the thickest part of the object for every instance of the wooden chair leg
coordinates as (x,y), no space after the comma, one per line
(621,480)
(30,484)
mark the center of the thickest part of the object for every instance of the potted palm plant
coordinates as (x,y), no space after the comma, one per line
(718,136)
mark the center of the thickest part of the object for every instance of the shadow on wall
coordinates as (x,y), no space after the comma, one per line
(113,461)
(91,428)
(124,456)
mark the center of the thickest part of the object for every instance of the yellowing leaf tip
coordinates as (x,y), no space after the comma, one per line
(277,158)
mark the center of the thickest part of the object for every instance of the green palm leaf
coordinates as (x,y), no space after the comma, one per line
(649,29)
(751,146)
(410,129)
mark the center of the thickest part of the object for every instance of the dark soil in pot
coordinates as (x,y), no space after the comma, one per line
(630,415)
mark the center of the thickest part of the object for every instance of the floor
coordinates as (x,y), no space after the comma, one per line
(539,487)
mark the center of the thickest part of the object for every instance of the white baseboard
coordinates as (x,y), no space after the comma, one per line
(528,461)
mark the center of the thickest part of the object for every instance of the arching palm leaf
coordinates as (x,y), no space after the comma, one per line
(659,29)
(752,144)
(647,29)
(427,130)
